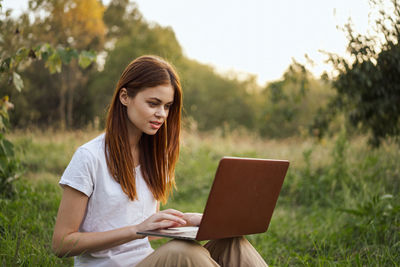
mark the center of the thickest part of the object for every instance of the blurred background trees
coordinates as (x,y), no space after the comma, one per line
(18,50)
(365,91)
(368,84)
(51,98)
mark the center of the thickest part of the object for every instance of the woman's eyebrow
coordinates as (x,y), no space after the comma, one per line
(159,100)
(156,99)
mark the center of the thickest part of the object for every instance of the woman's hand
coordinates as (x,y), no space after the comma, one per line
(162,219)
(192,219)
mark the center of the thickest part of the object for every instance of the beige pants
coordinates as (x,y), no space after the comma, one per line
(223,252)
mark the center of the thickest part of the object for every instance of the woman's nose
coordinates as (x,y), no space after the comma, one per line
(161,112)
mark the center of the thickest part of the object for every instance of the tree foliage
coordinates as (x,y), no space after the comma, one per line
(74,23)
(289,104)
(63,34)
(10,63)
(368,85)
(214,101)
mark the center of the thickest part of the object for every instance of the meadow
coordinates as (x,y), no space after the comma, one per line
(339,205)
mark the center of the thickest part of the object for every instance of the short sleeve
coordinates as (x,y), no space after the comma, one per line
(79,173)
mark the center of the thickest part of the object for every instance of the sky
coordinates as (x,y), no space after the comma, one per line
(258,37)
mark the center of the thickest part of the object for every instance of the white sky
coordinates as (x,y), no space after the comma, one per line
(254,36)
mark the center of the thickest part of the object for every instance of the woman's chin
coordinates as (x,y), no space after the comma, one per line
(151,131)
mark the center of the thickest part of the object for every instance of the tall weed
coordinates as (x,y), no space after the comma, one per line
(315,184)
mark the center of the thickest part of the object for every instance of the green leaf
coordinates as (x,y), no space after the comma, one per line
(66,54)
(21,55)
(8,148)
(53,63)
(45,51)
(18,83)
(38,51)
(86,58)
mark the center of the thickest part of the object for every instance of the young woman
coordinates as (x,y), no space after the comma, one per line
(114,183)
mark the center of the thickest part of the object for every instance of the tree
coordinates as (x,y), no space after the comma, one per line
(215,101)
(289,104)
(368,85)
(13,56)
(68,26)
(78,24)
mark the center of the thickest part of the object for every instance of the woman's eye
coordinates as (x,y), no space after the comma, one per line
(152,104)
(167,107)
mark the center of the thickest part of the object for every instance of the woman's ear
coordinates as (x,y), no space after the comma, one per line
(123,96)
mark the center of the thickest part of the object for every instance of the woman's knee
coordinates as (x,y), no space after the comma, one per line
(183,247)
(180,253)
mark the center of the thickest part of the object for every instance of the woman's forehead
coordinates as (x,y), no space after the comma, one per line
(164,92)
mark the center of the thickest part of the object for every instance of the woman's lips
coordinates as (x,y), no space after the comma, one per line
(155,124)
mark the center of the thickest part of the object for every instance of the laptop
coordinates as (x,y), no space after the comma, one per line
(241,200)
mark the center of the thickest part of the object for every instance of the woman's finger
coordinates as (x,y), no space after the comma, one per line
(162,224)
(165,216)
(166,224)
(174,212)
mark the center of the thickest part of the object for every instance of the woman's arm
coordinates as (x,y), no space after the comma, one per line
(68,241)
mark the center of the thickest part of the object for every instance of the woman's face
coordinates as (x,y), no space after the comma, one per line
(149,109)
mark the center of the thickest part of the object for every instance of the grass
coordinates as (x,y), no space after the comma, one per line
(339,205)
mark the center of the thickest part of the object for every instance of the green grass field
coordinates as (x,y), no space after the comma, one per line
(339,205)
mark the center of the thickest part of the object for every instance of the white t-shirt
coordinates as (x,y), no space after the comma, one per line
(108,206)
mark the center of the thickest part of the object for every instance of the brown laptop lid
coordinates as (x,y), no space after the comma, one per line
(242,197)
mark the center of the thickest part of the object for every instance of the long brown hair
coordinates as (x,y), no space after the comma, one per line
(158,153)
